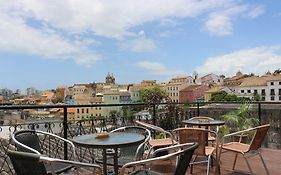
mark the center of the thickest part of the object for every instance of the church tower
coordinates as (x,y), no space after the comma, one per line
(110,78)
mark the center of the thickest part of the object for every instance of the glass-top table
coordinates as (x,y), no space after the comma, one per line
(114,141)
(203,122)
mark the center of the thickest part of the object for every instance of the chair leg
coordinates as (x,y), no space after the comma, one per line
(191,164)
(235,161)
(263,162)
(208,166)
(248,164)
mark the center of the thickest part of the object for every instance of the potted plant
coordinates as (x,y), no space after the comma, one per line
(238,120)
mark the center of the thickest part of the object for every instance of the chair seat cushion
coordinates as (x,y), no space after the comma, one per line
(209,150)
(236,147)
(160,142)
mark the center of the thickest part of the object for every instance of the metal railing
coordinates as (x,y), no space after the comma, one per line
(266,112)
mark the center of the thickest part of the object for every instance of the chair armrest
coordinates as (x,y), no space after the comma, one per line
(155,128)
(146,161)
(173,147)
(46,159)
(238,133)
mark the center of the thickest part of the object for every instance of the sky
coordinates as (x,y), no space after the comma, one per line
(49,43)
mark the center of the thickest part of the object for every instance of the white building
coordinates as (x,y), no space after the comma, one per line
(268,87)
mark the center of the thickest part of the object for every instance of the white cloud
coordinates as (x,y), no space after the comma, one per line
(17,37)
(48,28)
(219,25)
(257,11)
(115,18)
(159,69)
(255,60)
(140,44)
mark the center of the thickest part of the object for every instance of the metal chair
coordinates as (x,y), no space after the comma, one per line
(130,153)
(157,143)
(199,135)
(26,163)
(247,150)
(29,141)
(181,152)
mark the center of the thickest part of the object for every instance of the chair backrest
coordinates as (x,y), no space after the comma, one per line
(26,139)
(26,163)
(187,135)
(260,134)
(184,159)
(154,128)
(136,151)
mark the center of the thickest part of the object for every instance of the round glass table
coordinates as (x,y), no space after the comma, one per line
(114,141)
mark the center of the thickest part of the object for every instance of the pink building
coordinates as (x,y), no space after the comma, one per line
(192,93)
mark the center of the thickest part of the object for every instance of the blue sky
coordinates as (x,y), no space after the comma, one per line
(45,44)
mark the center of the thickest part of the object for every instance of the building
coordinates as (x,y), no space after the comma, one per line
(218,88)
(192,93)
(175,85)
(209,80)
(30,91)
(268,87)
(84,113)
(233,82)
(111,97)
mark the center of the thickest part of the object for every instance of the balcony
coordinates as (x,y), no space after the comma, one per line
(266,112)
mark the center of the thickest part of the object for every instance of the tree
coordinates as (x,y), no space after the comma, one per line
(223,96)
(256,97)
(153,96)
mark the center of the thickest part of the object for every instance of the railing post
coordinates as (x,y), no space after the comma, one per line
(259,112)
(198,110)
(154,114)
(65,131)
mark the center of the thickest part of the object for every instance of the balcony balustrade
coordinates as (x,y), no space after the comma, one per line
(266,112)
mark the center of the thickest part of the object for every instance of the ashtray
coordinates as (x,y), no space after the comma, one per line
(102,136)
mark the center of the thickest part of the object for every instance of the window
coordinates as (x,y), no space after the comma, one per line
(279,91)
(280,98)
(272,98)
(279,82)
(77,110)
(82,110)
(242,91)
(271,83)
(263,98)
(249,91)
(272,92)
(87,110)
(263,91)
(255,91)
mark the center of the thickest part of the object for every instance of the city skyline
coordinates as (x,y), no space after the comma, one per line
(45,44)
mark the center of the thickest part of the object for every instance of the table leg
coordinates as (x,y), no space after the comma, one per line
(104,161)
(115,161)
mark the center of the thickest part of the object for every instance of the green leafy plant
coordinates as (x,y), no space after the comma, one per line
(238,120)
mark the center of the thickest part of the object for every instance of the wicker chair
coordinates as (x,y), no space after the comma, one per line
(211,137)
(30,163)
(130,153)
(157,143)
(183,153)
(247,150)
(200,135)
(29,141)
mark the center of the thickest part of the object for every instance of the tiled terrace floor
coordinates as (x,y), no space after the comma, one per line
(272,159)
